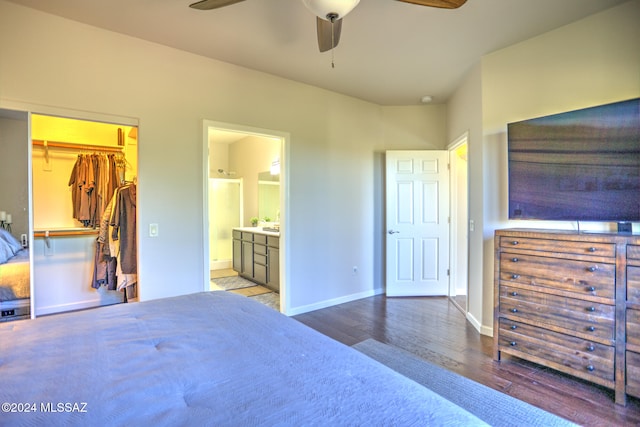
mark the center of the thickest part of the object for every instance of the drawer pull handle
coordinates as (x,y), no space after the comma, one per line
(514,259)
(591,328)
(592,249)
(592,309)
(512,343)
(514,327)
(515,242)
(590,347)
(514,310)
(515,276)
(591,289)
(590,368)
(514,294)
(592,269)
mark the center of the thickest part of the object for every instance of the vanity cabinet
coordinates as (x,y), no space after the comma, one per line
(273,255)
(243,253)
(256,257)
(561,301)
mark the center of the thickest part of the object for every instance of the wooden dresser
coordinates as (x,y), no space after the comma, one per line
(570,301)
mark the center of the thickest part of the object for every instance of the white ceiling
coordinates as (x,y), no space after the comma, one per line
(390,52)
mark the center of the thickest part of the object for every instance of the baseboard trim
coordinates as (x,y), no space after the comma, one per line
(331,302)
(61,308)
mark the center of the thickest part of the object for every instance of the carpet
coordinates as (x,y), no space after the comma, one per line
(491,406)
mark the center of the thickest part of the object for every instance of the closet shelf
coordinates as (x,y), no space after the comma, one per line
(74,146)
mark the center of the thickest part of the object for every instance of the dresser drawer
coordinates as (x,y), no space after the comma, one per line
(633,373)
(633,284)
(583,358)
(569,315)
(633,329)
(584,278)
(559,246)
(633,254)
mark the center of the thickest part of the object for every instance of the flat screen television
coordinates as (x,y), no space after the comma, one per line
(582,165)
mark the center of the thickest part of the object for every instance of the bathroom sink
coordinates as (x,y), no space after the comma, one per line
(273,229)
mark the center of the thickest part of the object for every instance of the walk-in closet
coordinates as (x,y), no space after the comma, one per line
(84,187)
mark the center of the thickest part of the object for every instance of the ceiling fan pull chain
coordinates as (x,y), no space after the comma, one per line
(333,45)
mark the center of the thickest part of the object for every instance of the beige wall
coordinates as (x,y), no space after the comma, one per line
(334,160)
(590,62)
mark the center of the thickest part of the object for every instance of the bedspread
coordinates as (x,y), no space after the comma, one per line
(212,358)
(14,277)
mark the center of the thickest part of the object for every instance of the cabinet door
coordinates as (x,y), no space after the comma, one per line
(237,255)
(247,259)
(273,269)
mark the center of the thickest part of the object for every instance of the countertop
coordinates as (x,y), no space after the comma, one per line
(258,230)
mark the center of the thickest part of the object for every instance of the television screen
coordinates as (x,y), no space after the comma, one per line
(581,165)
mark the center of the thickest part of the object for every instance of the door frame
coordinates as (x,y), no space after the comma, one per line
(285,138)
(459,267)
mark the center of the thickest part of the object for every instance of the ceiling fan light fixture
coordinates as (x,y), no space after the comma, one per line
(330,9)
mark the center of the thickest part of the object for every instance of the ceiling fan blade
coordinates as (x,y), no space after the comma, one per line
(325,28)
(212,4)
(444,4)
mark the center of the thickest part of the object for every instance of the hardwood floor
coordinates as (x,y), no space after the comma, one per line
(435,330)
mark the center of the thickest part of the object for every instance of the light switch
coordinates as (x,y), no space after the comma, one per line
(472,225)
(153,230)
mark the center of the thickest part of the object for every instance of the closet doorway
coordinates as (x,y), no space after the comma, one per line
(459,256)
(245,189)
(68,211)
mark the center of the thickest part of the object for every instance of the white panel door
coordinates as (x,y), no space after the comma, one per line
(417,223)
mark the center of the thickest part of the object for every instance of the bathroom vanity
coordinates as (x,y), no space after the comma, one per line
(256,255)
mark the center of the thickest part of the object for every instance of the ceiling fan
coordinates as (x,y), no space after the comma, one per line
(329,14)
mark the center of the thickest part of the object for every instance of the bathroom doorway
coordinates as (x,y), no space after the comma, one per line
(243,168)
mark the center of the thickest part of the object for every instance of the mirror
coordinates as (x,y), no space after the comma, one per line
(268,197)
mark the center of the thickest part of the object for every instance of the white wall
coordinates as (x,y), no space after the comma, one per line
(49,63)
(464,112)
(590,62)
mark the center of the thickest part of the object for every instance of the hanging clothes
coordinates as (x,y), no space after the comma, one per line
(116,246)
(105,265)
(123,220)
(93,181)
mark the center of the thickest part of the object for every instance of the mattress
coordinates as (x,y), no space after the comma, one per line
(15,287)
(212,358)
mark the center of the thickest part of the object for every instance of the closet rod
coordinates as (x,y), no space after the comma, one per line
(65,233)
(58,144)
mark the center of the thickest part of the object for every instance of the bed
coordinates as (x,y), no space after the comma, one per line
(211,358)
(14,279)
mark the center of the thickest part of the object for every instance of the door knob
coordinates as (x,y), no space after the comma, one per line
(393,231)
